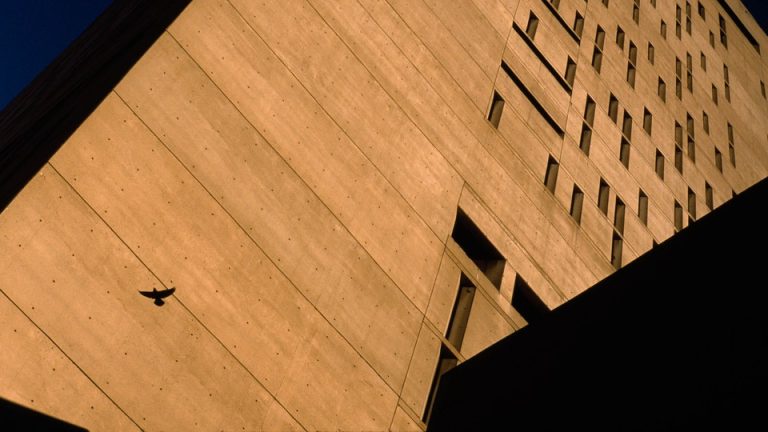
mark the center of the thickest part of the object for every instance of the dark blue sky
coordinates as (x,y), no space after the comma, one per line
(34,32)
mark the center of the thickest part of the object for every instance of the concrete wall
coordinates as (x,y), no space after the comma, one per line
(294,170)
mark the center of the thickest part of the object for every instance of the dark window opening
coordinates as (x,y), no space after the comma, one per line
(602,197)
(642,208)
(527,303)
(478,248)
(616,247)
(577,199)
(624,153)
(613,108)
(533,25)
(497,106)
(618,216)
(709,196)
(550,178)
(445,362)
(659,164)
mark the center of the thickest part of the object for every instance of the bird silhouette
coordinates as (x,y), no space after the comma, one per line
(158,295)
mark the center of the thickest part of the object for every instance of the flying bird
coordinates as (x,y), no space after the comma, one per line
(158,295)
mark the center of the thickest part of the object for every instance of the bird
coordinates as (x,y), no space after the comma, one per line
(158,295)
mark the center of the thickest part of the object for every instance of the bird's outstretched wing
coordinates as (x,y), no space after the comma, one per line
(155,294)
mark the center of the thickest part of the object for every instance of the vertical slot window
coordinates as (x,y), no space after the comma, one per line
(620,38)
(624,152)
(533,25)
(626,125)
(478,248)
(659,164)
(691,203)
(709,196)
(718,160)
(570,72)
(613,108)
(651,53)
(647,121)
(602,197)
(550,178)
(678,216)
(642,208)
(577,199)
(618,216)
(662,90)
(703,62)
(497,106)
(616,250)
(705,122)
(527,303)
(578,24)
(663,30)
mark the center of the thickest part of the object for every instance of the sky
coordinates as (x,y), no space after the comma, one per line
(34,32)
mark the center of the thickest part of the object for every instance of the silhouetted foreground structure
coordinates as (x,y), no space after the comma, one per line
(676,340)
(17,418)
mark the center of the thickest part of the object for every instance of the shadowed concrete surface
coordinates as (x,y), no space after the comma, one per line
(676,340)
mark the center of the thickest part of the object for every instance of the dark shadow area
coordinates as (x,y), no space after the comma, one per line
(676,340)
(14,417)
(158,296)
(478,248)
(38,121)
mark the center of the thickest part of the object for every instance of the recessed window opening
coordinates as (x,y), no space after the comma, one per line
(446,362)
(478,248)
(550,178)
(642,208)
(527,303)
(577,199)
(602,197)
(497,106)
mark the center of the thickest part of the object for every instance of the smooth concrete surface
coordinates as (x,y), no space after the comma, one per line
(294,170)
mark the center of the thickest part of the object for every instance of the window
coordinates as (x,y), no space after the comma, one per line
(647,121)
(624,152)
(703,61)
(446,362)
(586,138)
(731,148)
(602,197)
(616,246)
(730,132)
(726,84)
(550,178)
(597,54)
(690,138)
(678,216)
(589,111)
(651,53)
(691,203)
(577,198)
(705,122)
(626,125)
(570,72)
(711,39)
(632,52)
(578,24)
(642,207)
(620,37)
(679,147)
(663,29)
(702,12)
(613,108)
(636,13)
(478,248)
(718,160)
(678,17)
(709,196)
(689,72)
(662,90)
(497,106)
(526,302)
(688,17)
(714,94)
(762,89)
(631,74)
(461,310)
(618,216)
(659,164)
(723,34)
(678,75)
(533,24)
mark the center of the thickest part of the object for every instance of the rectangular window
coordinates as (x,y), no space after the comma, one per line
(578,24)
(647,121)
(446,362)
(762,89)
(691,149)
(651,53)
(662,90)
(727,92)
(659,164)
(550,178)
(462,308)
(589,111)
(732,154)
(624,153)
(714,94)
(730,132)
(533,24)
(478,248)
(586,138)
(718,160)
(632,53)
(663,29)
(678,17)
(613,108)
(703,61)
(679,158)
(678,216)
(636,13)
(630,74)
(626,125)
(577,199)
(497,106)
(616,246)
(709,196)
(723,34)
(678,135)
(620,37)
(600,37)
(642,208)
(679,88)
(691,203)
(711,39)
(618,216)
(570,72)
(705,122)
(597,59)
(526,302)
(602,197)
(702,12)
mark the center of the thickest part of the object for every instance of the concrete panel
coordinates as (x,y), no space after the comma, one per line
(312,144)
(234,289)
(402,422)
(278,211)
(38,375)
(486,326)
(80,286)
(443,294)
(421,371)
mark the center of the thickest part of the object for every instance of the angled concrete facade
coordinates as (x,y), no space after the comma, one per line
(295,170)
